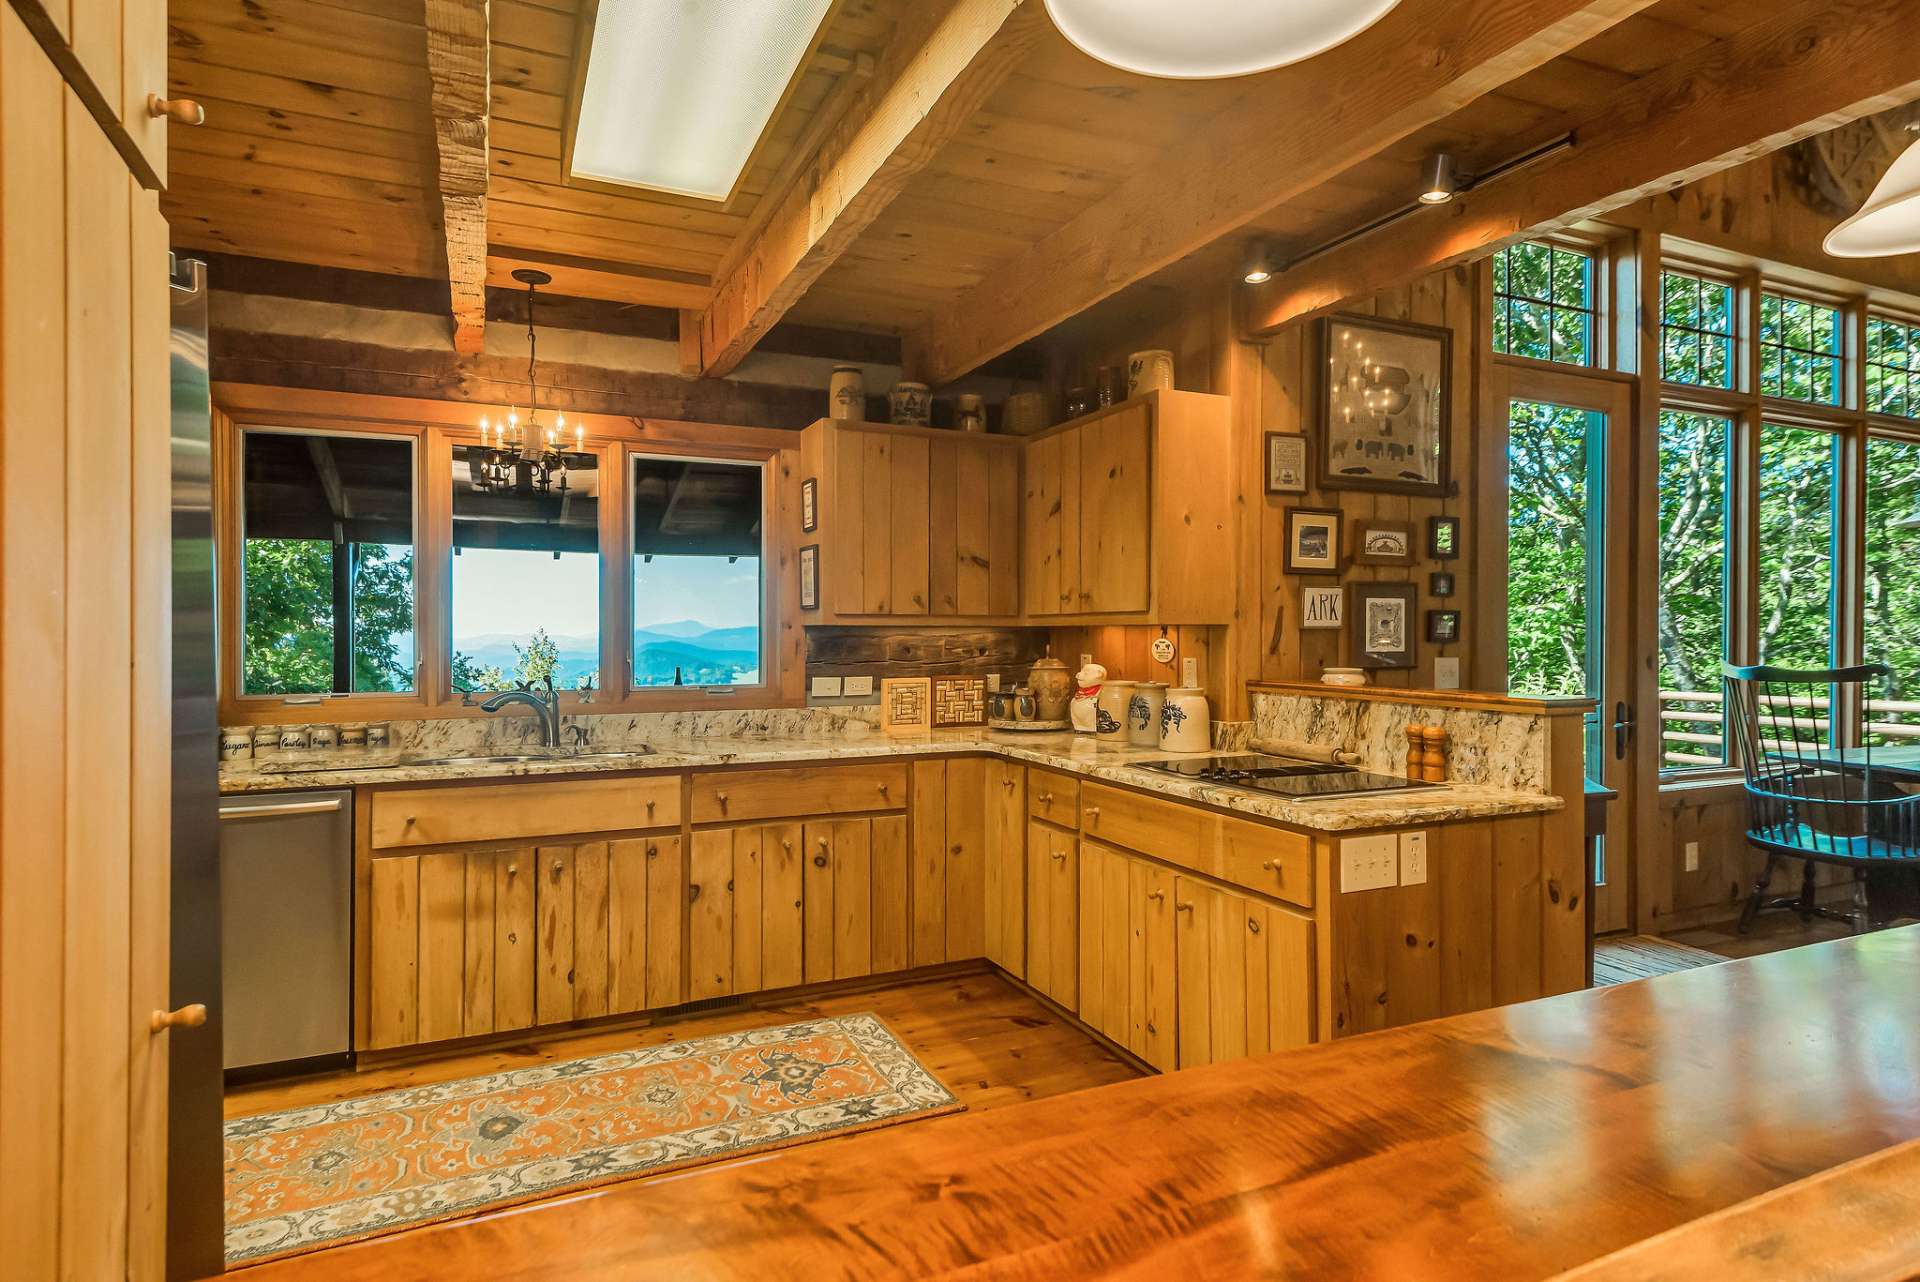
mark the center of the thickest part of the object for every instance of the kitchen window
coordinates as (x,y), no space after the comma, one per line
(1544,303)
(1800,350)
(1695,456)
(1799,532)
(1696,330)
(327,563)
(1893,367)
(1891,588)
(526,574)
(698,526)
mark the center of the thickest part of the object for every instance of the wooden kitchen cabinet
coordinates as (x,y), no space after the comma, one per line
(850,919)
(949,860)
(1245,975)
(1128,512)
(1127,956)
(1053,912)
(914,523)
(1004,867)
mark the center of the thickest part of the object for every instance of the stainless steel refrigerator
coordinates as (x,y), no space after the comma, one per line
(195,1185)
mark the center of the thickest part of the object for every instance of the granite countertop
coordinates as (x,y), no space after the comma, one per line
(1077,754)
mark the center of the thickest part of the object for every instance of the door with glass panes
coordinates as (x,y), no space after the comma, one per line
(1562,626)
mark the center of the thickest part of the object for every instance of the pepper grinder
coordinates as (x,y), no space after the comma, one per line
(1434,759)
(1416,752)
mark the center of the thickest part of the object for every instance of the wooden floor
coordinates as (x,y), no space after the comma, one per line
(989,1042)
(1622,959)
(1771,933)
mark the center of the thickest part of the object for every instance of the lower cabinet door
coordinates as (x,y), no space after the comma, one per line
(782,856)
(645,889)
(852,898)
(1106,942)
(1151,965)
(1004,867)
(710,913)
(891,901)
(1053,913)
(1245,984)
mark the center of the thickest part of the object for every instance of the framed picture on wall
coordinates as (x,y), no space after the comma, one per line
(1286,463)
(1440,583)
(1443,537)
(810,577)
(809,505)
(1443,626)
(1380,542)
(1322,609)
(1313,541)
(1384,405)
(1382,631)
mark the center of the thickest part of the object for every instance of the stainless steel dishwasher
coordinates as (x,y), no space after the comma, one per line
(286,928)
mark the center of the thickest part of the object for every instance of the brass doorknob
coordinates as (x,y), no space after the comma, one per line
(181,111)
(186,1017)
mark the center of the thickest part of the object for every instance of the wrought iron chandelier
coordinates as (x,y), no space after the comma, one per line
(516,455)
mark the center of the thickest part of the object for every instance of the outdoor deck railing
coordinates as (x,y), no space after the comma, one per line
(1693,725)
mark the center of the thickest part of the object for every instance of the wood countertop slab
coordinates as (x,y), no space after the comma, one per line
(1509,1144)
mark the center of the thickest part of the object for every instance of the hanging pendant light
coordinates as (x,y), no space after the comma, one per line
(1889,223)
(1210,39)
(512,448)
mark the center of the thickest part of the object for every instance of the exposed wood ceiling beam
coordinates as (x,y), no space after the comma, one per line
(592,278)
(944,62)
(458,53)
(1811,69)
(1295,129)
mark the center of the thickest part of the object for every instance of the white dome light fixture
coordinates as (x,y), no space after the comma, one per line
(1889,223)
(1211,39)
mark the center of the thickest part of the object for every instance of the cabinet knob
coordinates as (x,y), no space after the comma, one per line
(1007,784)
(1061,855)
(1253,924)
(693,892)
(1093,812)
(558,867)
(513,870)
(786,845)
(186,1017)
(1066,596)
(653,851)
(883,789)
(721,797)
(181,111)
(1182,908)
(1270,866)
(649,810)
(409,821)
(1152,1029)
(1156,894)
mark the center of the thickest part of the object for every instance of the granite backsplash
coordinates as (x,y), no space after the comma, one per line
(1496,749)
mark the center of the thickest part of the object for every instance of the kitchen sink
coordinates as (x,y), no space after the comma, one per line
(515,758)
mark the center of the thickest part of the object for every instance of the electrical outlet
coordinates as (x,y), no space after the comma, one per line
(1693,856)
(1369,863)
(1189,671)
(857,686)
(1085,659)
(993,682)
(1413,858)
(1446,672)
(826,688)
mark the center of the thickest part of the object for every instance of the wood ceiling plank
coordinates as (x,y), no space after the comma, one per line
(511,189)
(507,230)
(355,186)
(254,121)
(528,107)
(943,63)
(530,26)
(1286,136)
(587,279)
(566,221)
(459,50)
(1800,73)
(244,152)
(341,69)
(311,26)
(400,250)
(201,81)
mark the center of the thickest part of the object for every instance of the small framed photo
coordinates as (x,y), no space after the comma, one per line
(810,577)
(1443,537)
(1443,626)
(1383,625)
(1313,541)
(1286,463)
(809,505)
(1384,543)
(1440,583)
(1322,609)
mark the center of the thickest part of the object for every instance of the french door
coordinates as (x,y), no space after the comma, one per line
(1562,627)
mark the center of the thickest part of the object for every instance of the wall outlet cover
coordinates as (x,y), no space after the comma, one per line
(1369,863)
(857,686)
(1189,671)
(1446,672)
(825,688)
(1693,856)
(1413,858)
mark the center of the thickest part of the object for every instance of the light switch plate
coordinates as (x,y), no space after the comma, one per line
(1189,671)
(825,688)
(1369,863)
(1693,856)
(1446,672)
(1413,858)
(857,686)
(993,681)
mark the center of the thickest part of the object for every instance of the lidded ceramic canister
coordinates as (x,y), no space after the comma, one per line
(1052,688)
(1110,711)
(1185,725)
(1143,714)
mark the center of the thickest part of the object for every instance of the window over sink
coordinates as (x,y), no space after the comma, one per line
(697,590)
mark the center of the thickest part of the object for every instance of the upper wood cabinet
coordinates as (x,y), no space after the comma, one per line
(1128,512)
(913,523)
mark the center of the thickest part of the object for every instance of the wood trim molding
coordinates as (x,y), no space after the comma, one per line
(1284,138)
(459,38)
(943,63)
(1779,81)
(1466,700)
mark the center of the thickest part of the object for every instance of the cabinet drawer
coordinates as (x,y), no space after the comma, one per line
(739,795)
(1271,861)
(1166,829)
(524,808)
(1053,797)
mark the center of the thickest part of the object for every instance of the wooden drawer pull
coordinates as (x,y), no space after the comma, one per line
(1253,924)
(513,870)
(1270,866)
(1061,855)
(786,845)
(186,1017)
(182,111)
(558,868)
(1182,908)
(693,892)
(650,809)
(1156,894)
(1046,798)
(1007,784)
(1093,812)
(883,790)
(653,851)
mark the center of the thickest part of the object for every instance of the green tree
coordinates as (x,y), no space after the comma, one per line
(287,641)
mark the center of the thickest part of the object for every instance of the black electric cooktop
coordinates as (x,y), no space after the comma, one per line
(1284,775)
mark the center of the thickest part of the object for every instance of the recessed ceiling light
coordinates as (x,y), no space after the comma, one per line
(1209,39)
(678,92)
(1889,223)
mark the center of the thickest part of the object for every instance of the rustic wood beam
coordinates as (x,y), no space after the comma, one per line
(595,278)
(1295,129)
(943,63)
(458,53)
(1810,69)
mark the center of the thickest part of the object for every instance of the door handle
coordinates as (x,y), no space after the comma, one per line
(330,805)
(1622,729)
(186,1017)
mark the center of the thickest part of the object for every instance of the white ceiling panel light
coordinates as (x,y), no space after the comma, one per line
(1889,223)
(1211,39)
(678,92)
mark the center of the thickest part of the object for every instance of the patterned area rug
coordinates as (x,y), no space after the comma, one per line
(311,1177)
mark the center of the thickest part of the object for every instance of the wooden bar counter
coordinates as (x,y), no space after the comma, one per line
(1512,1144)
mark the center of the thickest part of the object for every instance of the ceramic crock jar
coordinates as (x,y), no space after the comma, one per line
(1150,371)
(1052,688)
(909,405)
(847,394)
(1185,725)
(1110,712)
(1143,714)
(970,412)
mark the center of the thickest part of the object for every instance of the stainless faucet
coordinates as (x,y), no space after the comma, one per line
(545,707)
